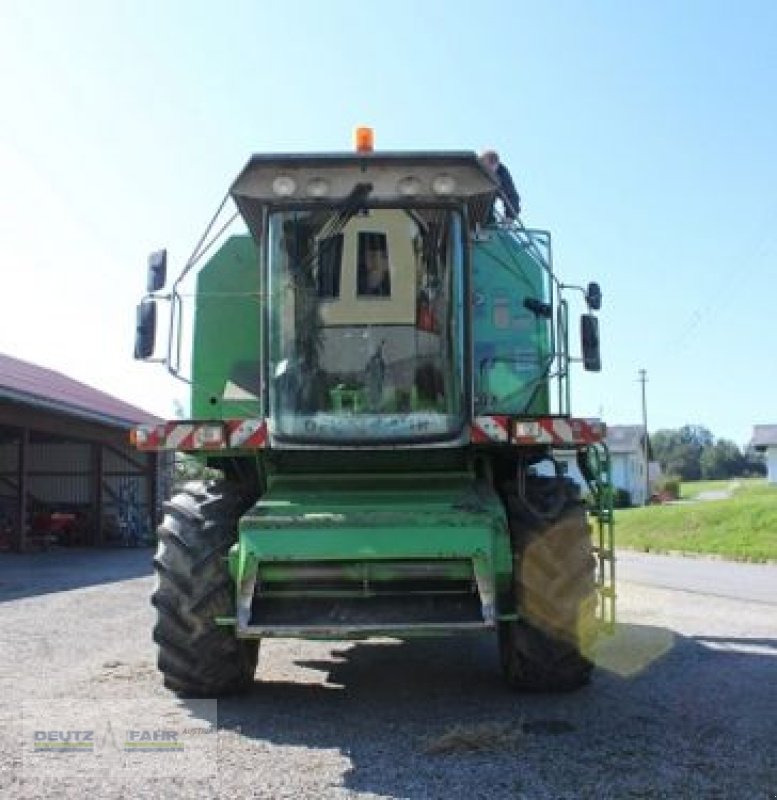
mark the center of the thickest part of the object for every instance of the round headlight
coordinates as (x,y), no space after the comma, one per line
(284,185)
(317,187)
(409,186)
(443,184)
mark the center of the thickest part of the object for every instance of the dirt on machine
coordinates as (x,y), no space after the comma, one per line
(379,368)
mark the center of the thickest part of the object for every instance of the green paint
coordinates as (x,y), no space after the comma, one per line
(366,529)
(364,516)
(225,357)
(512,345)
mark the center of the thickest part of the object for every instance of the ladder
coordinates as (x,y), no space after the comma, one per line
(597,457)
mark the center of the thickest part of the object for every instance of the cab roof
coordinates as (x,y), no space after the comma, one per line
(291,179)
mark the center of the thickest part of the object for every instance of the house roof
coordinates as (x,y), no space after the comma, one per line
(625,438)
(764,436)
(30,384)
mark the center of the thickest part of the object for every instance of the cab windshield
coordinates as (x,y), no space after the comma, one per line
(365,324)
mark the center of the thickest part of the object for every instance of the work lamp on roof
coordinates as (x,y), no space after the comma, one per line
(409,186)
(317,187)
(284,186)
(443,185)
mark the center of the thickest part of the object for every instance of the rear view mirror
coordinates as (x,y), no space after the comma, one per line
(589,342)
(593,296)
(157,271)
(145,332)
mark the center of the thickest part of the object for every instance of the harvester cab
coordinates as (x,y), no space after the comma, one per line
(380,373)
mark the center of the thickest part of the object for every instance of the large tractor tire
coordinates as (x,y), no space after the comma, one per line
(197,657)
(548,649)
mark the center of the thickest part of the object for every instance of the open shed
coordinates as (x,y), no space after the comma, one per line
(68,473)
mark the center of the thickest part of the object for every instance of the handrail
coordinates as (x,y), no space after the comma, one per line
(559,333)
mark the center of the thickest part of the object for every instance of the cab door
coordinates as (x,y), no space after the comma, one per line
(512,352)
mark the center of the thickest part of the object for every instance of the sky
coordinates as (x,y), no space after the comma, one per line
(642,135)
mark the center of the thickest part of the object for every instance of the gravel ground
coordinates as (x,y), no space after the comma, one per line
(683,704)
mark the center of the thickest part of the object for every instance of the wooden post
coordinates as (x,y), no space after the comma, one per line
(97,494)
(21,504)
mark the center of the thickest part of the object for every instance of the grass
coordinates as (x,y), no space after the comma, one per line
(475,738)
(743,527)
(692,489)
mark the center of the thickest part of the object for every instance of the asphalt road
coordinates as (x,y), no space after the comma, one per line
(683,703)
(756,583)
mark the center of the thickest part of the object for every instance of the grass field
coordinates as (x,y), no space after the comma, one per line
(742,527)
(692,489)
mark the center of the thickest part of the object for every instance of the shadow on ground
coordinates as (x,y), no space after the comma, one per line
(433,719)
(62,569)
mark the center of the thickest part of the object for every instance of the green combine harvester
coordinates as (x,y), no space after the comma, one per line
(379,371)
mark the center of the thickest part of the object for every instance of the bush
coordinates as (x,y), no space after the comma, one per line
(621,498)
(668,487)
(190,468)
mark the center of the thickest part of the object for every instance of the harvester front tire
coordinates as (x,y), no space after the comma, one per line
(548,649)
(197,657)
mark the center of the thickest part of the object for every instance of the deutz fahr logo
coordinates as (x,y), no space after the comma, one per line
(64,740)
(140,739)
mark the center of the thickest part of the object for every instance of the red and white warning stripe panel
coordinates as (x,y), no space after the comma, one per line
(225,435)
(555,431)
(490,429)
(248,433)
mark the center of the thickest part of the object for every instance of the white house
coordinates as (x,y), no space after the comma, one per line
(628,459)
(765,440)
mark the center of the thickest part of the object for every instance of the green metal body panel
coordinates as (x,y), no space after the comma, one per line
(511,345)
(367,531)
(226,354)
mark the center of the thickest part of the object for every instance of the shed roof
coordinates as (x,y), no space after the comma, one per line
(764,436)
(30,384)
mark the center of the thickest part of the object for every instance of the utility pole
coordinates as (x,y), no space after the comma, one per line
(643,381)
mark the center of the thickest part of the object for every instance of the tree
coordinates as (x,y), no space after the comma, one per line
(722,460)
(190,468)
(754,461)
(679,451)
(697,436)
(663,444)
(692,453)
